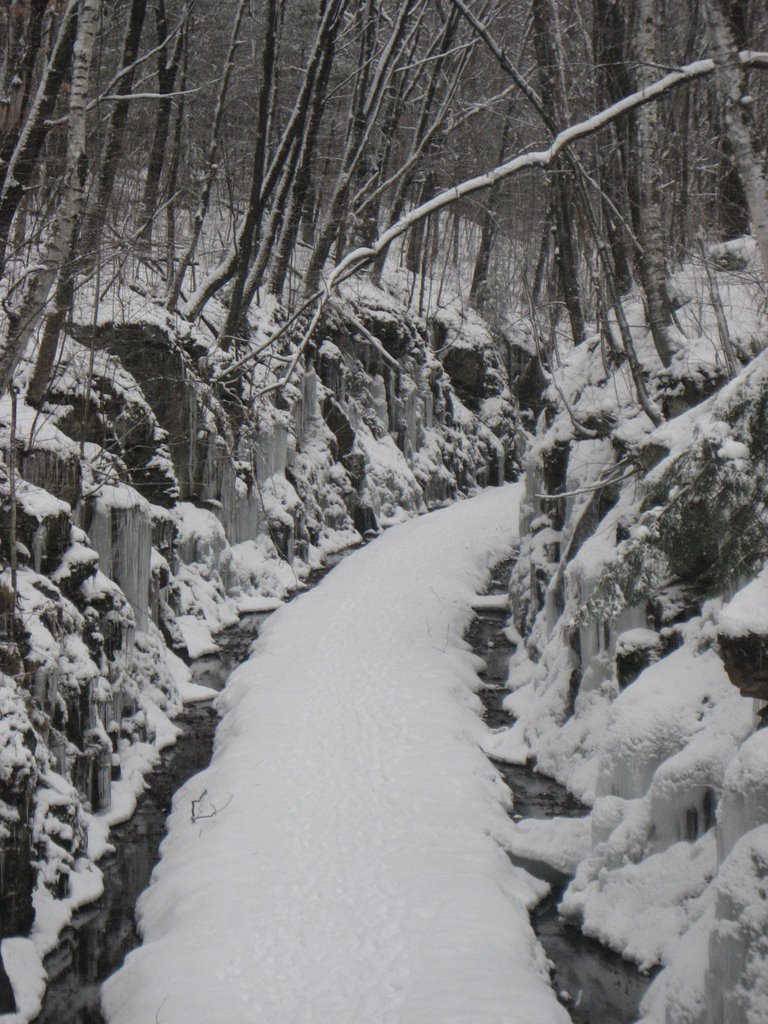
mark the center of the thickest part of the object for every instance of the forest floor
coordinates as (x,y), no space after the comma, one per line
(342,857)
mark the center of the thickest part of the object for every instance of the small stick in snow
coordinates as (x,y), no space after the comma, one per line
(197,815)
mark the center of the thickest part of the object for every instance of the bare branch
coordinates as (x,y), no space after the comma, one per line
(358,258)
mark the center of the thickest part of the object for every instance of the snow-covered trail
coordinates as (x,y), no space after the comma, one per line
(350,874)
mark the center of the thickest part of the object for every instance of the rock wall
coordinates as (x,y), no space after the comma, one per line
(641,606)
(163,495)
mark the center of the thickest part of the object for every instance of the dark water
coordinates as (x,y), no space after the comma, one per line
(214,669)
(104,932)
(595,984)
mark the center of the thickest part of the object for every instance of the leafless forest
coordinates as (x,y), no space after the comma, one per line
(239,151)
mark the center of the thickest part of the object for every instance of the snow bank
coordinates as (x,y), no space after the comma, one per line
(667,742)
(339,860)
(747,611)
(720,970)
(559,843)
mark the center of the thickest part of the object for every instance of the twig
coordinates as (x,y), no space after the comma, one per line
(198,816)
(598,486)
(731,360)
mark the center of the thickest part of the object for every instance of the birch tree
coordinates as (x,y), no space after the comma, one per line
(23,318)
(25,141)
(730,80)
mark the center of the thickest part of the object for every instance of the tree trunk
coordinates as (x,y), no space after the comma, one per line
(204,200)
(23,320)
(417,234)
(24,159)
(168,63)
(54,322)
(545,246)
(421,132)
(608,54)
(276,226)
(255,211)
(732,207)
(739,122)
(173,172)
(368,96)
(549,59)
(113,151)
(18,80)
(297,192)
(646,155)
(478,290)
(330,16)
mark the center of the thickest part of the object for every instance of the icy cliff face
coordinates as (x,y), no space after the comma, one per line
(640,679)
(160,493)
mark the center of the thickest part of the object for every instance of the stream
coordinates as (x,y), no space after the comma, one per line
(596,985)
(104,932)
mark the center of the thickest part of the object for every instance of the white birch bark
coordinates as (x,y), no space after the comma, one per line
(738,120)
(25,318)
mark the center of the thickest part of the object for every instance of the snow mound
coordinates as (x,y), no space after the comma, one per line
(747,611)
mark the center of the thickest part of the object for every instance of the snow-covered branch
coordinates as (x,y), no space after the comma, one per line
(360,257)
(536,159)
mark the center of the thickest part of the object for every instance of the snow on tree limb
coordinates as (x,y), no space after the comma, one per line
(359,257)
(539,158)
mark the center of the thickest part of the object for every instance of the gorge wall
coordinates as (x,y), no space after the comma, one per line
(161,491)
(640,608)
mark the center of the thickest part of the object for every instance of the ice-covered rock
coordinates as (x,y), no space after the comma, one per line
(158,490)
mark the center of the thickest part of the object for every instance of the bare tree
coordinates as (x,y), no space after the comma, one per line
(27,138)
(611,83)
(645,156)
(538,159)
(169,57)
(22,51)
(115,136)
(340,127)
(22,319)
(369,94)
(550,57)
(237,257)
(211,163)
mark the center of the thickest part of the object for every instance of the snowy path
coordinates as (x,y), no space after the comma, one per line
(350,875)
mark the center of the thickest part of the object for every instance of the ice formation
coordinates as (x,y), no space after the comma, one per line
(150,512)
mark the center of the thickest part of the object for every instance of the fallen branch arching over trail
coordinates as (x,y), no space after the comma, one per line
(358,258)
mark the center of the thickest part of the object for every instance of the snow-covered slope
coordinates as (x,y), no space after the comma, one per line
(638,682)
